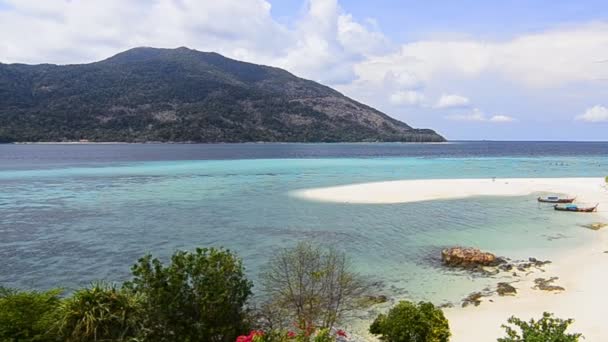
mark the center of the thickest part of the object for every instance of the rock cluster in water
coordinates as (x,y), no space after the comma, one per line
(485,263)
(488,264)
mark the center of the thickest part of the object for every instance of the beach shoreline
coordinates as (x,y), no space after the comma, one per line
(582,271)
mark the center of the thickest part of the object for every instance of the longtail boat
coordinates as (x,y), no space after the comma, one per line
(555,199)
(575,208)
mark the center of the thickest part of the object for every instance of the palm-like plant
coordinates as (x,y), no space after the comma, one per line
(100,313)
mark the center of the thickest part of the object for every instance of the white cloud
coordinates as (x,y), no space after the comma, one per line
(323,44)
(452,101)
(501,118)
(478,116)
(407,97)
(594,114)
(541,60)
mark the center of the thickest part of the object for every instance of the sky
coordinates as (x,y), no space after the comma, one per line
(470,69)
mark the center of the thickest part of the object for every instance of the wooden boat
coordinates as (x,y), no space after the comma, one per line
(575,208)
(555,199)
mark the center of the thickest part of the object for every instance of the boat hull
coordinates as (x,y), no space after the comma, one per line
(576,210)
(560,200)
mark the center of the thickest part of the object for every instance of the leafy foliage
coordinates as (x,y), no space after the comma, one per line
(100,313)
(409,322)
(28,315)
(547,329)
(148,94)
(312,285)
(199,296)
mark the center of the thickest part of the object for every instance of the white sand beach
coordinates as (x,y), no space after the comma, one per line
(583,272)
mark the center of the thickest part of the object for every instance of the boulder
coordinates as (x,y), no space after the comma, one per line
(467,257)
(505,289)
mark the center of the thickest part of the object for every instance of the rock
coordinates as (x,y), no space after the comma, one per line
(540,263)
(468,257)
(506,267)
(474,299)
(547,284)
(490,271)
(446,305)
(531,259)
(505,289)
(368,301)
(595,225)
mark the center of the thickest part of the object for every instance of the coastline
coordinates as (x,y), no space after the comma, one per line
(217,143)
(581,271)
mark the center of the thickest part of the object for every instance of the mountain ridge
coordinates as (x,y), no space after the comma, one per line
(183,95)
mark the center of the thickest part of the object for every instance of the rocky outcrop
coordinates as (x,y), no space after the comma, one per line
(467,257)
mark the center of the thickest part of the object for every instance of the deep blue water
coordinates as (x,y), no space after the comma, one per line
(71,214)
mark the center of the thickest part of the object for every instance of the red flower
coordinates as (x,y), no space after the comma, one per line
(243,338)
(341,332)
(249,338)
(291,334)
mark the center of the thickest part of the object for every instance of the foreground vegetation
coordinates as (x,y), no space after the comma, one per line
(204,295)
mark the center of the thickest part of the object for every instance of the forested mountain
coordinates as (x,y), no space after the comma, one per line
(182,95)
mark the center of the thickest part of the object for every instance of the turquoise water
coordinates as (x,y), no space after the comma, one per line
(72,218)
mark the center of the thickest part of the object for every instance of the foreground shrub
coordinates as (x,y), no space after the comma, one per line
(28,315)
(310,284)
(547,329)
(409,322)
(100,313)
(199,296)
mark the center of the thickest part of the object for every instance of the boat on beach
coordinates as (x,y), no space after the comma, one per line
(575,208)
(555,199)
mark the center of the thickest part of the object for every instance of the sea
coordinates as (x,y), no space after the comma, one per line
(78,213)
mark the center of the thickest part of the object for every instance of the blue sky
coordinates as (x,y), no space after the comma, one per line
(407,20)
(506,70)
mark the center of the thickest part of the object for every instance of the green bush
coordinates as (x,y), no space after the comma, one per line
(409,322)
(100,313)
(199,296)
(28,315)
(547,329)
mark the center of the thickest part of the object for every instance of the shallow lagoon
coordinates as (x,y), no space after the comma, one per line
(71,214)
